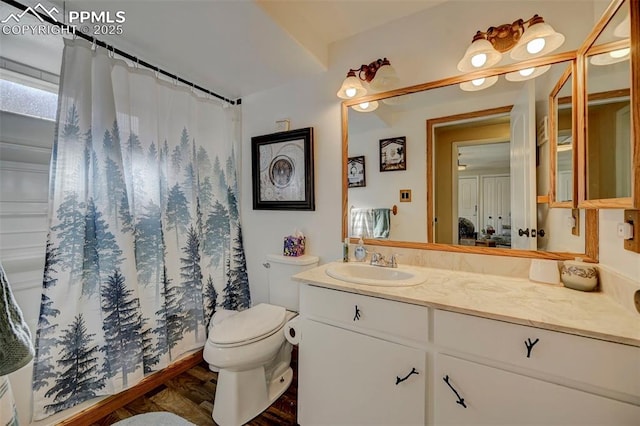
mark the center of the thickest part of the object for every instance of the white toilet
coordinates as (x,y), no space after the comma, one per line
(249,350)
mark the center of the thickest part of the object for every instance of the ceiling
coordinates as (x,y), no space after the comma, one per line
(232,47)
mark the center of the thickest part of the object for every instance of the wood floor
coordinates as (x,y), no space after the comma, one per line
(190,395)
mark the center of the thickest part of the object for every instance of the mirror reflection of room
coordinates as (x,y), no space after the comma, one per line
(608,77)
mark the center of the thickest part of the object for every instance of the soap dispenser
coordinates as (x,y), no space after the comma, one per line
(360,252)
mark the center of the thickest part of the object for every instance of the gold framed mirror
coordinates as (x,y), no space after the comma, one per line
(609,122)
(435,92)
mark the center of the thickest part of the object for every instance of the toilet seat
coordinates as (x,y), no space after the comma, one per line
(248,326)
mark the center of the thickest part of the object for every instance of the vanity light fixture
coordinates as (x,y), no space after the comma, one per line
(612,57)
(479,83)
(366,106)
(527,73)
(379,75)
(486,48)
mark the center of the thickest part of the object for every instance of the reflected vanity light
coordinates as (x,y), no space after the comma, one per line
(366,106)
(623,29)
(479,84)
(527,73)
(379,75)
(612,57)
(487,47)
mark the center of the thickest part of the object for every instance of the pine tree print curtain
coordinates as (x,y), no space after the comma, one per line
(144,240)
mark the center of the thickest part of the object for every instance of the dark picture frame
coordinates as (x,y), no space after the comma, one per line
(393,154)
(282,170)
(356,176)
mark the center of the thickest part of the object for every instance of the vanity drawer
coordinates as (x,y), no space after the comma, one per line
(603,364)
(385,318)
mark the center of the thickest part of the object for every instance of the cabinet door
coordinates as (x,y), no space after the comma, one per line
(477,394)
(347,378)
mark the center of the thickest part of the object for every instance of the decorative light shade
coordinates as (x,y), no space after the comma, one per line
(366,106)
(538,39)
(379,74)
(527,73)
(351,87)
(385,78)
(478,84)
(612,57)
(623,29)
(480,54)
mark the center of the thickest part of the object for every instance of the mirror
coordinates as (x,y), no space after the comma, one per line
(609,139)
(442,133)
(562,143)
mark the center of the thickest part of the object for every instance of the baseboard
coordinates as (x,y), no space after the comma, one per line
(110,404)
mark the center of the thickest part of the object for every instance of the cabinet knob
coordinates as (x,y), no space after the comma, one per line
(529,344)
(525,232)
(460,399)
(541,232)
(356,317)
(412,372)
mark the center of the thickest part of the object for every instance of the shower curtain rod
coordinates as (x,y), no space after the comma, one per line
(117,51)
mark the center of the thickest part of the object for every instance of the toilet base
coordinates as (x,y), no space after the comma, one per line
(246,394)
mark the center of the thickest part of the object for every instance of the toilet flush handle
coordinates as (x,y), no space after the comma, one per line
(266,265)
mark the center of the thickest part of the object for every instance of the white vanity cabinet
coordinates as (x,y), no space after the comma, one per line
(492,372)
(361,360)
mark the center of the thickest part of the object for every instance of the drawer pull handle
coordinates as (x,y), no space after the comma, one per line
(400,380)
(529,344)
(356,317)
(460,400)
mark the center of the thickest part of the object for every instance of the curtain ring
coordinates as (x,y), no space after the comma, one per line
(112,53)
(137,63)
(94,45)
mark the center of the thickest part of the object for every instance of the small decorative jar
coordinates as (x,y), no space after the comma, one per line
(579,275)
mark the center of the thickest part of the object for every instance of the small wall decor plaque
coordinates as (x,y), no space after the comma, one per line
(393,154)
(356,172)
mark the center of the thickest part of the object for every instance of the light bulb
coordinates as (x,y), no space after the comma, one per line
(535,45)
(477,82)
(350,92)
(364,105)
(527,71)
(479,60)
(620,53)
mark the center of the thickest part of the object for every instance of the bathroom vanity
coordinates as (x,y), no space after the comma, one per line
(464,348)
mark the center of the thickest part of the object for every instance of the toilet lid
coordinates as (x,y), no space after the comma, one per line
(249,324)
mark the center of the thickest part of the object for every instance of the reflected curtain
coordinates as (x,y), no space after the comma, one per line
(144,239)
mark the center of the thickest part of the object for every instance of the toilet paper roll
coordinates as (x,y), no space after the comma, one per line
(292,331)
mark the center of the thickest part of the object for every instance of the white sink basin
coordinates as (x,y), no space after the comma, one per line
(360,273)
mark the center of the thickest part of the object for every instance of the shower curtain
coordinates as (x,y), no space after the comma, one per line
(144,238)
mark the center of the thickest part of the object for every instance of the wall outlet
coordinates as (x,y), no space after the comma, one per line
(632,217)
(405,195)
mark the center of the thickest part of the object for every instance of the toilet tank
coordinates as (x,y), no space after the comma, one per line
(283,291)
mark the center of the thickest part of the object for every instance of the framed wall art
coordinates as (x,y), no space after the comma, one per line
(393,154)
(356,172)
(282,170)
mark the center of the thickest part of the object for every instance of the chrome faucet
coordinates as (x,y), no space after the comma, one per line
(377,259)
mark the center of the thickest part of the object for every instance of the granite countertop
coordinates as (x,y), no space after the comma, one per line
(515,300)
